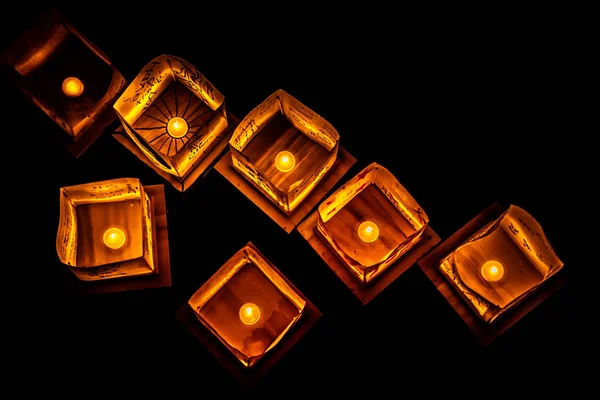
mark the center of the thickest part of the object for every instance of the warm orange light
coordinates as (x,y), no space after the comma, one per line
(177,127)
(492,271)
(114,238)
(285,161)
(368,231)
(249,314)
(72,87)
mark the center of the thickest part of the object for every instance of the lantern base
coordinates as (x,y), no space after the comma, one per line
(249,377)
(485,332)
(365,292)
(289,222)
(182,183)
(162,278)
(87,138)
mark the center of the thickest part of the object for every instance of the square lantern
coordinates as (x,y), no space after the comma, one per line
(112,235)
(174,120)
(284,157)
(369,231)
(248,314)
(67,77)
(495,269)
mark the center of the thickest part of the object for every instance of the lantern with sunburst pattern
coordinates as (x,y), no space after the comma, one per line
(173,118)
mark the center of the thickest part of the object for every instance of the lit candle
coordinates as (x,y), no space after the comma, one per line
(72,87)
(177,127)
(368,231)
(492,271)
(114,238)
(249,314)
(285,161)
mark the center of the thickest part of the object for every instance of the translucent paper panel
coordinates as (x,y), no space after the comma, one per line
(106,229)
(64,74)
(284,149)
(247,305)
(371,221)
(173,114)
(502,263)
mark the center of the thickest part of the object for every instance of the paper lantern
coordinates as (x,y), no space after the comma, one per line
(494,270)
(369,231)
(107,230)
(248,305)
(173,119)
(370,222)
(501,264)
(67,77)
(284,149)
(248,315)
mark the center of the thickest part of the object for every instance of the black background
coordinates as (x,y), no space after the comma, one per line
(464,111)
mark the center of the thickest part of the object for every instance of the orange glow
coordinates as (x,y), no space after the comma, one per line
(284,148)
(285,161)
(368,231)
(177,127)
(106,229)
(72,87)
(114,238)
(195,117)
(511,250)
(249,314)
(249,331)
(374,194)
(492,271)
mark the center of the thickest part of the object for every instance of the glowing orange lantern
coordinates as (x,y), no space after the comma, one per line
(284,149)
(370,222)
(67,77)
(501,264)
(107,230)
(250,307)
(174,119)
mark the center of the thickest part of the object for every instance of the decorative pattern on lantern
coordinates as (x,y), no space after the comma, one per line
(370,222)
(501,264)
(284,149)
(248,305)
(173,118)
(106,230)
(67,77)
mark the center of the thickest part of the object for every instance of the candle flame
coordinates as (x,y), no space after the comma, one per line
(72,87)
(285,161)
(114,238)
(249,314)
(177,127)
(492,271)
(368,231)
